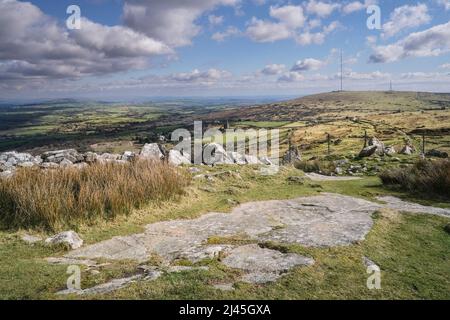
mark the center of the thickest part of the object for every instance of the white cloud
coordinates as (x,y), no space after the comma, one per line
(431,42)
(320,8)
(445,66)
(172,22)
(273,69)
(308,65)
(357,6)
(266,31)
(291,77)
(34,46)
(445,3)
(307,37)
(406,17)
(215,20)
(291,16)
(229,32)
(209,76)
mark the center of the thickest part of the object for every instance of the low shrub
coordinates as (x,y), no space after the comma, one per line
(59,198)
(317,166)
(431,177)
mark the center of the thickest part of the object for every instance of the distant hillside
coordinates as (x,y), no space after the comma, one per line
(321,104)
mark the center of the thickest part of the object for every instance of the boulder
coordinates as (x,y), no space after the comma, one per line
(128,156)
(368,151)
(237,158)
(151,151)
(65,163)
(266,161)
(27,164)
(214,153)
(90,157)
(49,165)
(178,159)
(408,150)
(70,238)
(374,142)
(249,159)
(390,151)
(13,158)
(108,157)
(292,156)
(58,156)
(437,154)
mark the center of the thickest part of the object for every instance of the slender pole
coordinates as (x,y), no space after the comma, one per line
(342,86)
(329,143)
(423,143)
(365,138)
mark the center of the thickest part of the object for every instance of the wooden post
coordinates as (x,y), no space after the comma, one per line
(365,139)
(329,143)
(423,143)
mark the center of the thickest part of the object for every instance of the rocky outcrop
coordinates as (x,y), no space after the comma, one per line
(408,150)
(368,151)
(214,153)
(390,151)
(59,156)
(292,156)
(152,151)
(70,238)
(176,158)
(374,142)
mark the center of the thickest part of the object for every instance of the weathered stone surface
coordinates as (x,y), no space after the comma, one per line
(390,151)
(237,158)
(103,288)
(70,238)
(369,263)
(6,174)
(263,265)
(408,150)
(266,161)
(224,286)
(368,151)
(400,205)
(292,156)
(249,159)
(90,157)
(178,159)
(318,177)
(321,221)
(108,157)
(58,156)
(152,151)
(377,143)
(128,156)
(214,153)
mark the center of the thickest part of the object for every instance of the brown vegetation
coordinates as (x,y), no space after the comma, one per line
(66,197)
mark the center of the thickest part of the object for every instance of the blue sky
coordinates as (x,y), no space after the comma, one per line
(128,48)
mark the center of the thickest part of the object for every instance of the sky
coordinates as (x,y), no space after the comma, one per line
(125,49)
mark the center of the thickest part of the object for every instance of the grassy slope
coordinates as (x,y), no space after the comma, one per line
(396,243)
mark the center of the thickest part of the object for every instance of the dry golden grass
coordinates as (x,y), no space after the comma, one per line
(68,197)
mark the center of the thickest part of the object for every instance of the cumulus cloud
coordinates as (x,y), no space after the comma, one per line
(308,65)
(273,69)
(291,77)
(266,31)
(445,66)
(172,22)
(445,3)
(291,16)
(320,8)
(229,32)
(431,42)
(307,37)
(406,17)
(33,46)
(357,6)
(215,20)
(209,76)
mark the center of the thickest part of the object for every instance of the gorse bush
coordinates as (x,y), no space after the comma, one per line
(430,177)
(318,166)
(67,197)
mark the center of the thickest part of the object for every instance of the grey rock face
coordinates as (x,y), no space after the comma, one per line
(374,142)
(13,158)
(390,151)
(249,159)
(321,221)
(263,265)
(152,151)
(292,156)
(58,156)
(178,159)
(400,205)
(237,158)
(214,153)
(368,151)
(408,150)
(319,177)
(68,237)
(266,161)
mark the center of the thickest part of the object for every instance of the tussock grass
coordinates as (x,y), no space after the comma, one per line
(68,197)
(431,177)
(317,166)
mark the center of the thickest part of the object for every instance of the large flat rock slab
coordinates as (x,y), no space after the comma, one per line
(400,205)
(320,178)
(321,221)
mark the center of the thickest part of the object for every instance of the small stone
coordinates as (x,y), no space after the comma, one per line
(68,237)
(224,286)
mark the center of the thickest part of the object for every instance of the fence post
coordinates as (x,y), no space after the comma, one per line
(423,143)
(329,143)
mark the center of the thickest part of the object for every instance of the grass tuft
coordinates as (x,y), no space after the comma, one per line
(431,177)
(69,197)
